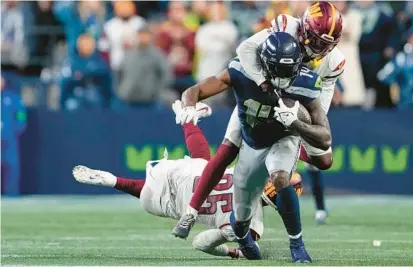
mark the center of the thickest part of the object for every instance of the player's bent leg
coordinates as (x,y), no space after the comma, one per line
(211,175)
(321,159)
(213,241)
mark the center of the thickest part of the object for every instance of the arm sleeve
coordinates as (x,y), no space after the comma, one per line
(248,55)
(196,142)
(211,241)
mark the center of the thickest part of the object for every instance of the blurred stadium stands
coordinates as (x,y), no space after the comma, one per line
(66,60)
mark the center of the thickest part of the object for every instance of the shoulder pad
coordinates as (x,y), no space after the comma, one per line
(235,64)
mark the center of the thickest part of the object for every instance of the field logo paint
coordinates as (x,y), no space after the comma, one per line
(352,158)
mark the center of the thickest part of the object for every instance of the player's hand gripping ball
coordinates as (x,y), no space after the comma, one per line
(286,115)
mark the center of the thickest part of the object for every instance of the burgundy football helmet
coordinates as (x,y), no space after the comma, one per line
(320,29)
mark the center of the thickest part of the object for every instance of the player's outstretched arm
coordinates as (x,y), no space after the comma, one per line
(318,134)
(213,241)
(209,87)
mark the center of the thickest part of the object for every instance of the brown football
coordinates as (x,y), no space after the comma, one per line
(303,114)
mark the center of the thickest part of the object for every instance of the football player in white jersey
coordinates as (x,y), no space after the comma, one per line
(318,32)
(169,185)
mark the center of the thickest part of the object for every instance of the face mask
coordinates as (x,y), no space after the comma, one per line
(281,83)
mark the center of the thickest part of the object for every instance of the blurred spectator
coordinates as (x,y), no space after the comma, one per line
(215,44)
(86,79)
(120,32)
(43,16)
(178,42)
(198,15)
(80,18)
(276,8)
(377,45)
(245,13)
(13,123)
(14,49)
(144,73)
(399,73)
(352,79)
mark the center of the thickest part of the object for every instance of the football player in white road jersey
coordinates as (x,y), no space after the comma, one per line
(169,185)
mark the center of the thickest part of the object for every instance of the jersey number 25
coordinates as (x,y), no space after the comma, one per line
(223,199)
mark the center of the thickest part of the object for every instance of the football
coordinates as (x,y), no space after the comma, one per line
(303,114)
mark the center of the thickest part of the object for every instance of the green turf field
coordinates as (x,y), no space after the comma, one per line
(116,231)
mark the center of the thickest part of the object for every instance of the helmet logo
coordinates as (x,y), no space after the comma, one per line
(287,60)
(315,10)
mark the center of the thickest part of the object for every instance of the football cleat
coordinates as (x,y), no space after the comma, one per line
(184,225)
(248,247)
(321,217)
(86,175)
(298,252)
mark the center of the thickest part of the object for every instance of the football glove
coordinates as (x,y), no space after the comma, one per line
(286,115)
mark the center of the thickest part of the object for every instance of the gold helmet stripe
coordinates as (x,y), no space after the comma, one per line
(333,25)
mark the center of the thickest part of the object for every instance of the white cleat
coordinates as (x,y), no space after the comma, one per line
(86,175)
(321,217)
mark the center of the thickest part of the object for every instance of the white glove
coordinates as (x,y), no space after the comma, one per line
(189,114)
(286,115)
(177,108)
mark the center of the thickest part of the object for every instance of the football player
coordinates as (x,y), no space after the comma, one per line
(318,33)
(266,145)
(169,185)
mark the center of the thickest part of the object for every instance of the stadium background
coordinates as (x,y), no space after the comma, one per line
(87,104)
(92,82)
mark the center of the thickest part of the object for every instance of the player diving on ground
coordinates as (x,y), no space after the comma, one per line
(169,185)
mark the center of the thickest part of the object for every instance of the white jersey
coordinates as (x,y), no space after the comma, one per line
(169,187)
(328,68)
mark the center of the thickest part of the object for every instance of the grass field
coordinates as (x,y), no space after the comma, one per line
(116,231)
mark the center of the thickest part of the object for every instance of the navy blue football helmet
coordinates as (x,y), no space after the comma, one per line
(281,58)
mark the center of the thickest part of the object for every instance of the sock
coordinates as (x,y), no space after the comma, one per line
(241,228)
(130,186)
(212,174)
(196,142)
(289,210)
(317,188)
